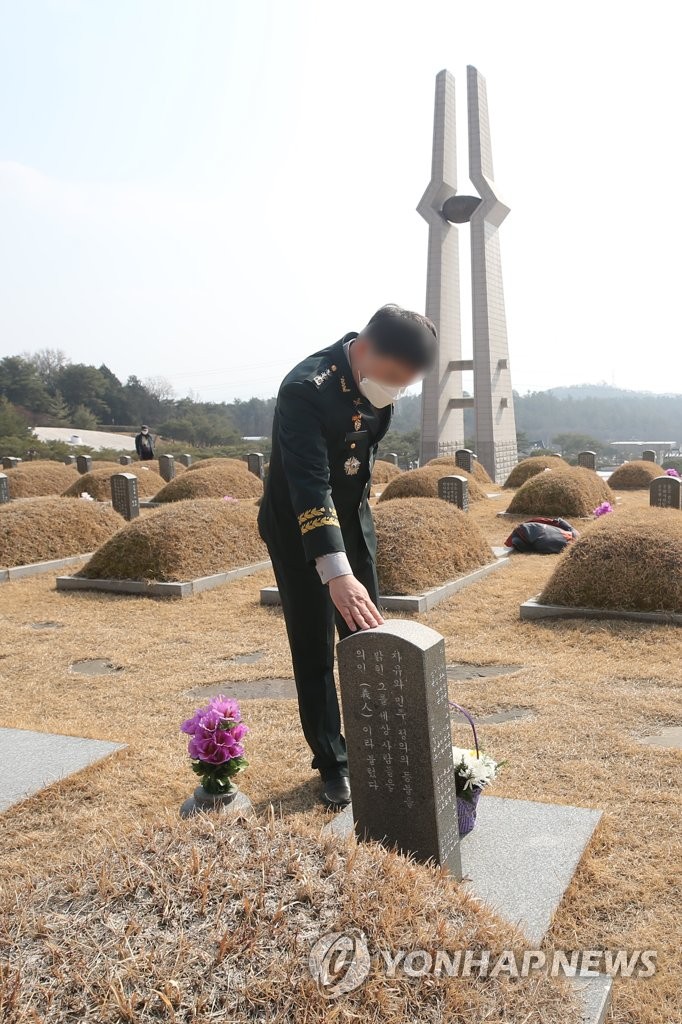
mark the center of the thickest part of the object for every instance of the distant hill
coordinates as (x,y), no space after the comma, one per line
(579,391)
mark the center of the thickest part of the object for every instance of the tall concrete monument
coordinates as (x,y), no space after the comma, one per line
(443,402)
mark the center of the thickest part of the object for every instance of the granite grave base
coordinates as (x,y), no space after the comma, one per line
(19,572)
(186,588)
(30,761)
(418,602)
(535,609)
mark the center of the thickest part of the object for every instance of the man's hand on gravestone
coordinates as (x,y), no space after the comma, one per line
(354,603)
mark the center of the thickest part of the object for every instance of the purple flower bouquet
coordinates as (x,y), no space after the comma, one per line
(215,746)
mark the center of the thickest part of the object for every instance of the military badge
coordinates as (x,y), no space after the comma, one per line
(320,378)
(351,466)
(357,420)
(344,386)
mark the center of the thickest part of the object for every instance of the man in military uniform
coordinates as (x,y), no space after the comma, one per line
(331,413)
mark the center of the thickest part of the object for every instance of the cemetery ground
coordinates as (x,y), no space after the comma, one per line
(72,856)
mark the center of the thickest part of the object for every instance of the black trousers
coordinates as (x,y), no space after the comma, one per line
(311,620)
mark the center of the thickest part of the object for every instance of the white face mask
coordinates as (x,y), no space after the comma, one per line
(380,395)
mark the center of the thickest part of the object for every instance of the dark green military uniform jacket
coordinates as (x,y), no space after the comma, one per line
(325,436)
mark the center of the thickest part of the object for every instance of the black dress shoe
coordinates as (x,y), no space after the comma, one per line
(336,791)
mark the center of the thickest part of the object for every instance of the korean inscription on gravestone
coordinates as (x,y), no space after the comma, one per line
(397,726)
(588,460)
(4,489)
(124,495)
(666,492)
(464,458)
(84,463)
(454,489)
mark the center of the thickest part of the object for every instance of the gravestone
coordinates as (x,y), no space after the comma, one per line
(455,489)
(69,460)
(167,467)
(464,458)
(4,489)
(84,463)
(124,495)
(666,492)
(649,455)
(394,694)
(392,457)
(588,460)
(9,462)
(125,460)
(185,459)
(256,464)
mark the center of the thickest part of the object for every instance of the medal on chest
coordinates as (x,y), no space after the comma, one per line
(351,466)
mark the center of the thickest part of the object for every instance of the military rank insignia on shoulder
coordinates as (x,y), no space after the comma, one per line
(323,376)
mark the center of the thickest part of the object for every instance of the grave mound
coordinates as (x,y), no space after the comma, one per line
(635,475)
(451,467)
(568,491)
(631,565)
(42,477)
(423,542)
(214,482)
(189,870)
(181,542)
(530,467)
(45,528)
(98,481)
(423,483)
(384,472)
(210,463)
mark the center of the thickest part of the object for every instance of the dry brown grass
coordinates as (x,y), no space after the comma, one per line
(422,542)
(213,482)
(42,477)
(569,491)
(594,688)
(98,481)
(181,542)
(204,921)
(41,529)
(423,483)
(479,471)
(211,463)
(633,564)
(383,472)
(528,468)
(635,475)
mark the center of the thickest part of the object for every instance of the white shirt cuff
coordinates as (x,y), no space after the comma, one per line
(333,565)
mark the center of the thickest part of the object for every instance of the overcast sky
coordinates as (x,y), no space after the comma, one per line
(208,190)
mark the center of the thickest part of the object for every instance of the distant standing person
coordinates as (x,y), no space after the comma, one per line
(144,445)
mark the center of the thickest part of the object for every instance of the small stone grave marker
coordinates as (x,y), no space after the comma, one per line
(10,462)
(397,726)
(455,489)
(588,460)
(666,492)
(125,460)
(83,463)
(124,495)
(464,458)
(256,464)
(4,489)
(185,459)
(392,457)
(167,467)
(648,455)
(69,460)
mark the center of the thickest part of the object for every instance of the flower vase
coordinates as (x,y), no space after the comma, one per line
(466,811)
(231,800)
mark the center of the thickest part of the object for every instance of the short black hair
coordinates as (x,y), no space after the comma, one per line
(404,335)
